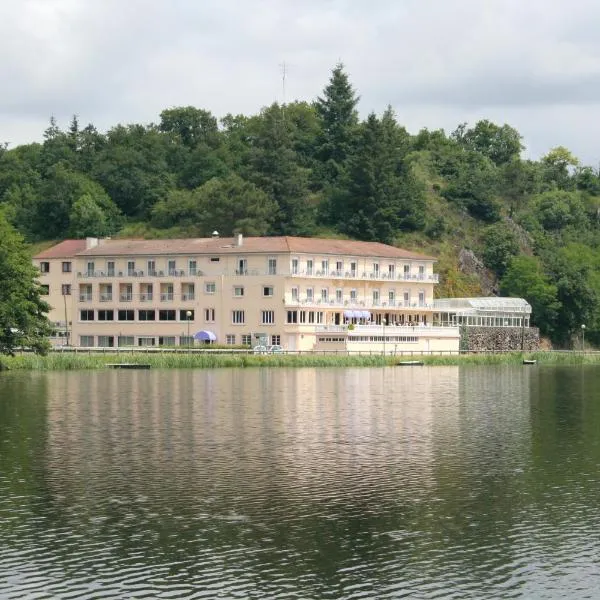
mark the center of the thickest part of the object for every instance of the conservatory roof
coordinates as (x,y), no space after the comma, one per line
(487,304)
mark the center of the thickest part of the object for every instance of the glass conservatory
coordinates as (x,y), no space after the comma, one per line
(492,311)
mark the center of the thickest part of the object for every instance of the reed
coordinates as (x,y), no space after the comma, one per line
(56,361)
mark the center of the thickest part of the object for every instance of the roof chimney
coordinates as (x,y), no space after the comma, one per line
(91,242)
(215,234)
(240,239)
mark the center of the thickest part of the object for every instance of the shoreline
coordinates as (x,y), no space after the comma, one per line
(82,361)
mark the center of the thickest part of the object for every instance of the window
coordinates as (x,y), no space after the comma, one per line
(376,269)
(324,294)
(126,315)
(189,292)
(166,340)
(146,341)
(106,315)
(246,339)
(214,259)
(184,340)
(352,295)
(126,292)
(309,294)
(292,316)
(294,266)
(319,316)
(325,267)
(294,294)
(130,267)
(302,316)
(267,317)
(230,339)
(406,298)
(146,315)
(276,340)
(86,340)
(192,267)
(311,316)
(406,271)
(353,268)
(86,315)
(421,298)
(106,341)
(151,265)
(242,267)
(210,287)
(172,267)
(421,272)
(339,296)
(392,298)
(65,289)
(167,315)
(45,267)
(309,267)
(90,268)
(272,266)
(339,267)
(238,291)
(125,340)
(110,268)
(186,315)
(238,317)
(391,271)
(268,291)
(66,267)
(209,315)
(375,297)
(44,290)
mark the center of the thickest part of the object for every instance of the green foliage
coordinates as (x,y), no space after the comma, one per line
(525,278)
(501,144)
(22,311)
(229,205)
(499,246)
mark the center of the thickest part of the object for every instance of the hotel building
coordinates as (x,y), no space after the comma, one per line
(300,293)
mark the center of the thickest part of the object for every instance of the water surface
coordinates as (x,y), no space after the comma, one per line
(412,482)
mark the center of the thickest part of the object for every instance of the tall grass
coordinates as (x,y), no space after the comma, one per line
(199,360)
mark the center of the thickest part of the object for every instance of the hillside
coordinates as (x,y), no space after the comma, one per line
(498,223)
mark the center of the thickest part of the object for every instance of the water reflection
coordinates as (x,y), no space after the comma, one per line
(309,483)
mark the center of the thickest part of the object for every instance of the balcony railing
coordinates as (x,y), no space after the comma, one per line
(140,273)
(85,297)
(126,297)
(106,297)
(146,297)
(419,329)
(354,305)
(188,297)
(166,297)
(371,275)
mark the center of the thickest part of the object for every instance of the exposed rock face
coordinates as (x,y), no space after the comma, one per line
(481,339)
(469,264)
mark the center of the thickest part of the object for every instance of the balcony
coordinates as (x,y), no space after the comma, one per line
(368,275)
(85,297)
(319,303)
(168,297)
(417,330)
(126,297)
(106,297)
(188,297)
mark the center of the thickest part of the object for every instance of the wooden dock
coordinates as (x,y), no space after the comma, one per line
(128,366)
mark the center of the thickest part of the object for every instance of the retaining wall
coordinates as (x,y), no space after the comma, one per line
(502,339)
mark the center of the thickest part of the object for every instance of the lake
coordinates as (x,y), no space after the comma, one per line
(407,482)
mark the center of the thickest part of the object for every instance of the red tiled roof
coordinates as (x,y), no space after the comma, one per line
(66,249)
(257,245)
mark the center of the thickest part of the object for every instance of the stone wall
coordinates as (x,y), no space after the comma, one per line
(499,338)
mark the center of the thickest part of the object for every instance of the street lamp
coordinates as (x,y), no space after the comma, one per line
(188,314)
(583,338)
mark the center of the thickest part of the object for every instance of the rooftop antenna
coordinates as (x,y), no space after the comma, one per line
(283,67)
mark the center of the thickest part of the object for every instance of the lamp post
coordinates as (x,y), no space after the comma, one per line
(188,314)
(583,338)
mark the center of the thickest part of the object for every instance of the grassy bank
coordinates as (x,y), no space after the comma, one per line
(64,362)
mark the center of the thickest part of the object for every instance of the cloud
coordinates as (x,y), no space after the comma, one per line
(533,64)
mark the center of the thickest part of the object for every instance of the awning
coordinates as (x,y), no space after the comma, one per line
(364,314)
(205,336)
(351,314)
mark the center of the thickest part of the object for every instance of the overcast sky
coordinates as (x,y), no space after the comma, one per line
(534,64)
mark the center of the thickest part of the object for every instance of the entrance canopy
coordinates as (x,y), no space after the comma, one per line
(205,336)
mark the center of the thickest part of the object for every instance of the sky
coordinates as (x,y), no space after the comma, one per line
(534,64)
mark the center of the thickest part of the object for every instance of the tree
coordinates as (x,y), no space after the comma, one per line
(500,144)
(558,165)
(23,313)
(87,219)
(192,125)
(338,117)
(525,278)
(229,205)
(500,245)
